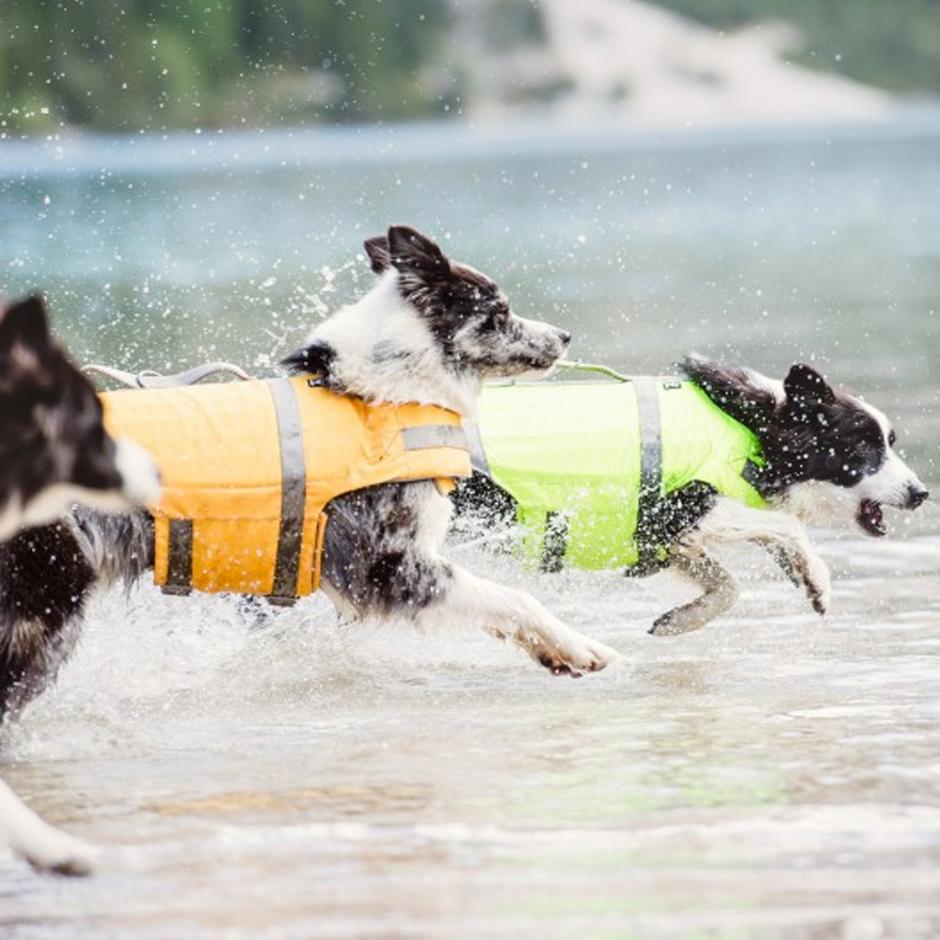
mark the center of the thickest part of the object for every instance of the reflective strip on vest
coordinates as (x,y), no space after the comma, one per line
(427,436)
(477,450)
(293,491)
(179,573)
(651,459)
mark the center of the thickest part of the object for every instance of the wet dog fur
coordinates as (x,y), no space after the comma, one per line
(53,451)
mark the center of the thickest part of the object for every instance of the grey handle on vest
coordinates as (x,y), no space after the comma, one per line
(150,379)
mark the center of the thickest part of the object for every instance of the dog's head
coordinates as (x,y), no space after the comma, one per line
(828,453)
(54,450)
(426,315)
(466,312)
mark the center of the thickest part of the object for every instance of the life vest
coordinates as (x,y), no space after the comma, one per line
(592,454)
(248,469)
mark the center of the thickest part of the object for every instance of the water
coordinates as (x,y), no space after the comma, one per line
(773,776)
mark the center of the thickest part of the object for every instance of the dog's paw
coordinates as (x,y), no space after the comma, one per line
(571,654)
(60,854)
(677,622)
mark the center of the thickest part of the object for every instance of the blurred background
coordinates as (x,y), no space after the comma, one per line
(161,65)
(193,178)
(758,180)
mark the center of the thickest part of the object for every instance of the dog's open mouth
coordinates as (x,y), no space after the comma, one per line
(871,518)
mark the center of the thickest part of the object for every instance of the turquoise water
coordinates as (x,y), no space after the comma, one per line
(773,776)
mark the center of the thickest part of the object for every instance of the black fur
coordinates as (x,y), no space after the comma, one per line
(51,427)
(46,578)
(816,433)
(378,253)
(317,359)
(733,391)
(664,523)
(369,554)
(821,434)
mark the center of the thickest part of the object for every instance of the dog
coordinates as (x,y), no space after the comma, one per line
(755,461)
(53,452)
(430,331)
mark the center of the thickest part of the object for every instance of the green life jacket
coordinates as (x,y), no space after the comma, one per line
(594,453)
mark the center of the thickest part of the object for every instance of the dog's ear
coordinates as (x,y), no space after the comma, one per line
(25,323)
(378,253)
(415,255)
(806,388)
(317,359)
(736,391)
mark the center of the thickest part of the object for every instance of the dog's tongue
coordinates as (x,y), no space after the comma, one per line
(871,518)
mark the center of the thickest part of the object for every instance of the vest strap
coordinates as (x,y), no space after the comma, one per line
(428,436)
(293,492)
(150,379)
(651,465)
(179,573)
(555,542)
(477,451)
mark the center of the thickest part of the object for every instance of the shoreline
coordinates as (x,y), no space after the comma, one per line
(79,152)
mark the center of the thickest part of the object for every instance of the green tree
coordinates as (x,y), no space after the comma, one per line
(157,64)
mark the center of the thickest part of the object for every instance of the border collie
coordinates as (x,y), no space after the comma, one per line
(53,451)
(828,458)
(430,331)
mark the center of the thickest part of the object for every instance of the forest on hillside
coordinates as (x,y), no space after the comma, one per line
(127,65)
(160,64)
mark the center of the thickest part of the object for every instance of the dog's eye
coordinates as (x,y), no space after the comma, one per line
(892,439)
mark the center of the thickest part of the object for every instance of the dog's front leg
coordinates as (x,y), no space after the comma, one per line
(782,534)
(43,846)
(507,613)
(719,592)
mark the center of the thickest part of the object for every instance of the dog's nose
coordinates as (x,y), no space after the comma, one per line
(915,496)
(564,337)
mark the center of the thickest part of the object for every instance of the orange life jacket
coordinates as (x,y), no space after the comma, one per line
(249,467)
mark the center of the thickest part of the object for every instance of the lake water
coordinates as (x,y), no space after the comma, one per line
(776,775)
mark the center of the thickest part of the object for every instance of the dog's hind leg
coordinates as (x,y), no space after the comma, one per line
(508,613)
(719,592)
(43,846)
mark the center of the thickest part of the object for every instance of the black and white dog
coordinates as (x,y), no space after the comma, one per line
(430,331)
(828,458)
(53,452)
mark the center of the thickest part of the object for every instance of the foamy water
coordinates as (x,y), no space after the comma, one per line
(776,774)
